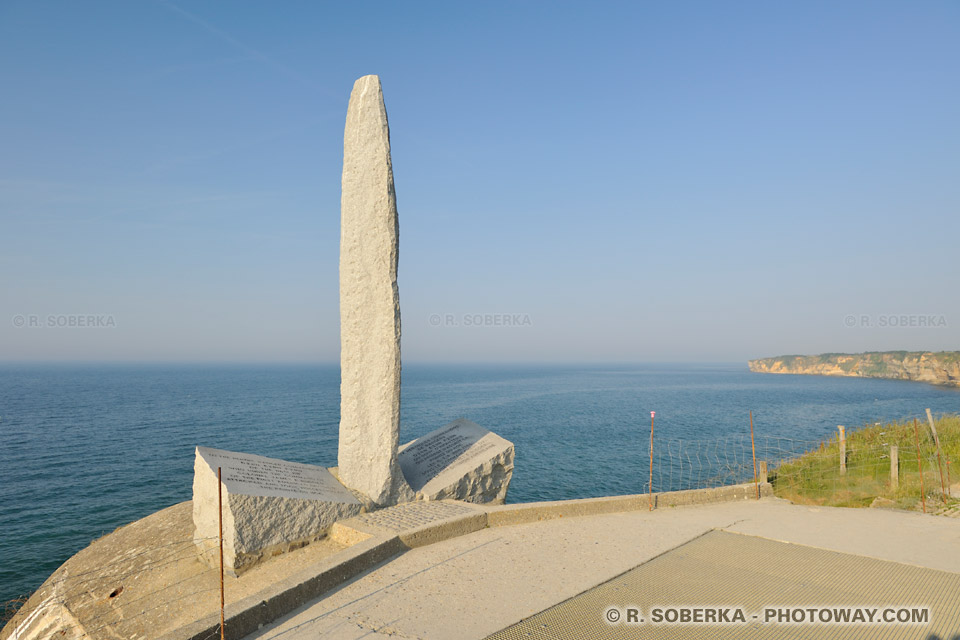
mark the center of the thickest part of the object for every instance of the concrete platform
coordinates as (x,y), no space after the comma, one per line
(479,584)
(450,569)
(748,587)
(145,579)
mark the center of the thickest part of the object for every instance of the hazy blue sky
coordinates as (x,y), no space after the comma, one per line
(673,181)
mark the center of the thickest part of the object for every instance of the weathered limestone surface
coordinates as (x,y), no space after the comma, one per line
(461,461)
(144,581)
(369,303)
(269,506)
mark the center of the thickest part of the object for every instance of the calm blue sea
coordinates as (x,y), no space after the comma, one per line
(86,449)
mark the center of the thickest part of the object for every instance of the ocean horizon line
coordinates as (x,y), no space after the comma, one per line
(328,363)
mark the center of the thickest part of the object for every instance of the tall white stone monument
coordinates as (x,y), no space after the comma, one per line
(369,304)
(271,506)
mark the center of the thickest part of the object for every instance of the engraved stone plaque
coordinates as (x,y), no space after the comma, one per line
(461,461)
(255,475)
(269,506)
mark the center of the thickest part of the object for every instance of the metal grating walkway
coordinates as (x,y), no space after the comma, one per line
(721,569)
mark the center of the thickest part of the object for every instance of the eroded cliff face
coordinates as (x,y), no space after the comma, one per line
(941,367)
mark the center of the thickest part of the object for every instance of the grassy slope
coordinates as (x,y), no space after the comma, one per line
(814,477)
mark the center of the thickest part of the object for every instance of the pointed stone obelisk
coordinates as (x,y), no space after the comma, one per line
(369,304)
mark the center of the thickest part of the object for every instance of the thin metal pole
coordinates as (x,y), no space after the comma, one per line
(949,485)
(220,518)
(650,486)
(923,498)
(753,447)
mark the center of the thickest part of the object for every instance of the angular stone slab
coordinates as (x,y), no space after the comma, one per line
(369,303)
(269,506)
(461,461)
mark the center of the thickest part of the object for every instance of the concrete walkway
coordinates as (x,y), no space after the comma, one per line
(482,582)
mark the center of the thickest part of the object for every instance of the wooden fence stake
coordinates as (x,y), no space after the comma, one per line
(894,467)
(936,441)
(949,486)
(843,450)
(923,496)
(763,471)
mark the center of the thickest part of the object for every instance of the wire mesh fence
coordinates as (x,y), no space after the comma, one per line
(897,464)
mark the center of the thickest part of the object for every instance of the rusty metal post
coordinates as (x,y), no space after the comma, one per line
(843,449)
(650,486)
(949,486)
(753,448)
(923,496)
(894,467)
(220,518)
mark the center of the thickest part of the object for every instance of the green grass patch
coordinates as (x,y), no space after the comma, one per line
(815,477)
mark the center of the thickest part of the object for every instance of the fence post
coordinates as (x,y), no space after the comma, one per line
(923,495)
(753,448)
(843,450)
(220,520)
(650,486)
(763,471)
(936,441)
(933,428)
(894,467)
(949,486)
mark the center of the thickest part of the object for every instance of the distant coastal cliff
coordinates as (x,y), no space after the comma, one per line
(942,367)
